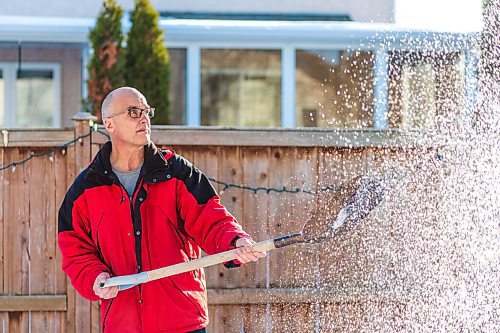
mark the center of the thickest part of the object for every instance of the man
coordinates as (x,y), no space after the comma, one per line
(137,208)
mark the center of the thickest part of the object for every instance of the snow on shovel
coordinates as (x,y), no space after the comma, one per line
(357,200)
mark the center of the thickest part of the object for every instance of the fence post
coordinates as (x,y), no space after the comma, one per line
(83,148)
(79,309)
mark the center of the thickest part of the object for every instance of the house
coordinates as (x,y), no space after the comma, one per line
(289,64)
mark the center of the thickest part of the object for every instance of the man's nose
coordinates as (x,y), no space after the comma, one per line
(144,117)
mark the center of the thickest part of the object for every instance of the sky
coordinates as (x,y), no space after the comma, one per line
(447,15)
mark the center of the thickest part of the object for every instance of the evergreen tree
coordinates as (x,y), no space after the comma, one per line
(106,64)
(147,60)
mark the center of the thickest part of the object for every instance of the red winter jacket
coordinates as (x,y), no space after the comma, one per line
(174,211)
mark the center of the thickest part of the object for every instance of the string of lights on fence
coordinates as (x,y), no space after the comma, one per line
(268,190)
(255,190)
(49,153)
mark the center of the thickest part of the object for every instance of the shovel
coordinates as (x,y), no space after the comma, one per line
(359,198)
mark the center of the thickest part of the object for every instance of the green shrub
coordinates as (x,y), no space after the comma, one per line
(147,59)
(106,63)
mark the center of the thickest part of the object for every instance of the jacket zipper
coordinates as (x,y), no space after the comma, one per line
(131,201)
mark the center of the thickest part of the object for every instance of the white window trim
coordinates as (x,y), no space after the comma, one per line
(288,84)
(193,85)
(9,69)
(381,90)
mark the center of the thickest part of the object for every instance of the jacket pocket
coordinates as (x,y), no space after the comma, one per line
(177,231)
(192,289)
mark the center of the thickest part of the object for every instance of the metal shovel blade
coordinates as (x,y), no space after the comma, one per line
(355,202)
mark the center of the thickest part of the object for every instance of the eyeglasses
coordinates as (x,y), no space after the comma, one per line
(134,112)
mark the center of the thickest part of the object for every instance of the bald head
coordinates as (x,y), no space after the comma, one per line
(108,104)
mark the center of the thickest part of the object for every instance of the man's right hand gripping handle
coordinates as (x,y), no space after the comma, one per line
(105,293)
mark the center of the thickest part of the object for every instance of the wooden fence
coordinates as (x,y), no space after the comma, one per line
(344,286)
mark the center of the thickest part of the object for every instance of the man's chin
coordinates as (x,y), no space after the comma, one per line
(143,142)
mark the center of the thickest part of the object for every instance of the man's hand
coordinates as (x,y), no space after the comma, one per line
(105,293)
(245,253)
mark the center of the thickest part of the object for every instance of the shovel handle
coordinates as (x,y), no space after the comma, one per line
(210,260)
(128,281)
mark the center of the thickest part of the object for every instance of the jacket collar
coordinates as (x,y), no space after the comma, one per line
(154,161)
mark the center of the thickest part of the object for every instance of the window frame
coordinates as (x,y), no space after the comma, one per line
(288,84)
(9,69)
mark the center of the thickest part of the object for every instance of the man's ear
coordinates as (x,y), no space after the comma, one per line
(109,125)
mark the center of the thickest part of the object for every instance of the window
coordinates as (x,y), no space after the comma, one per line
(334,88)
(177,86)
(35,98)
(35,95)
(423,85)
(241,87)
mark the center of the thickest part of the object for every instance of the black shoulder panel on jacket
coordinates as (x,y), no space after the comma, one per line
(81,183)
(65,220)
(196,182)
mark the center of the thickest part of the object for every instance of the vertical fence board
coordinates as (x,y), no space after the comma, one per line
(42,237)
(305,176)
(255,219)
(255,210)
(3,315)
(16,263)
(376,227)
(283,263)
(230,171)
(280,217)
(96,317)
(287,265)
(340,263)
(83,150)
(70,318)
(61,185)
(3,224)
(206,159)
(61,166)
